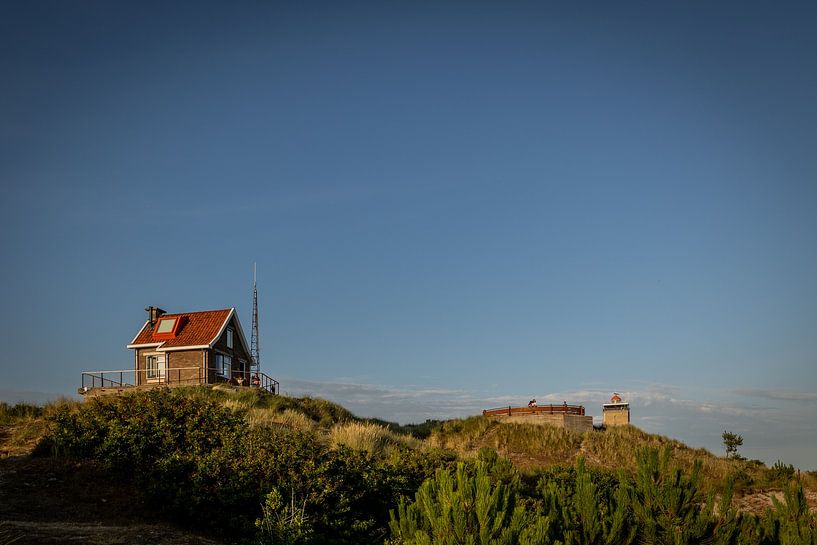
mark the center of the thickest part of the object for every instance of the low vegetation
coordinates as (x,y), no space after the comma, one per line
(257,468)
(661,505)
(532,447)
(24,424)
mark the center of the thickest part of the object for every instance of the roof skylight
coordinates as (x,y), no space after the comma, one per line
(166,325)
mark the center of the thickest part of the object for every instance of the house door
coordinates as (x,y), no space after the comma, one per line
(156,368)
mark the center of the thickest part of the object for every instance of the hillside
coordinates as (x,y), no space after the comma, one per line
(96,472)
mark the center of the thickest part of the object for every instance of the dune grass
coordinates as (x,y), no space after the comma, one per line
(10,414)
(370,437)
(25,424)
(532,447)
(526,444)
(322,412)
(289,418)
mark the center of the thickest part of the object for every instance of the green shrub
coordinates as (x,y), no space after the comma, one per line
(460,507)
(790,522)
(670,507)
(283,522)
(587,510)
(418,431)
(780,474)
(131,432)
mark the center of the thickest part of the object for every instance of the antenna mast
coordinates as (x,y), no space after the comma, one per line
(256,355)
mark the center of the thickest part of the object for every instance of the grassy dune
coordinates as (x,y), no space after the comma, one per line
(533,447)
(530,447)
(216,456)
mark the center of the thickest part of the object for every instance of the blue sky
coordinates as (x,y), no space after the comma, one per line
(451,204)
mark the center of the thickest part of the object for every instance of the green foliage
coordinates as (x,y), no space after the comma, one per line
(418,431)
(585,513)
(501,470)
(670,507)
(731,442)
(790,522)
(282,522)
(132,432)
(780,473)
(460,507)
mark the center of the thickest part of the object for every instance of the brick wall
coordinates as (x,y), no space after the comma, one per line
(188,365)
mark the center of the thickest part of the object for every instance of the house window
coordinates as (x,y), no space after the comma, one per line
(224,365)
(229,338)
(152,367)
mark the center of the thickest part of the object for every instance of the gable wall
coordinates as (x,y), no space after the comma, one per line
(241,358)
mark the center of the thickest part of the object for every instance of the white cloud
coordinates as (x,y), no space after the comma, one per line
(778,395)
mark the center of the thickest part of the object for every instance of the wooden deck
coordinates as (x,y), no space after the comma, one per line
(564,408)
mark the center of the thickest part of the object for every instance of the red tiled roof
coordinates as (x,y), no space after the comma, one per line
(201,329)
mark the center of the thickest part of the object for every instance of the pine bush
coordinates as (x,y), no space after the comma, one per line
(586,515)
(790,522)
(456,508)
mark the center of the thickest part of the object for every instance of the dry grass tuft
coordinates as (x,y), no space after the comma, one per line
(369,437)
(288,417)
(235,405)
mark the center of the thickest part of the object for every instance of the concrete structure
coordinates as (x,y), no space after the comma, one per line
(616,413)
(566,416)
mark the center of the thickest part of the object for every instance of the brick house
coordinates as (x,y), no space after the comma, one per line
(204,347)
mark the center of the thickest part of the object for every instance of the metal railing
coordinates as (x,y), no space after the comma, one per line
(107,379)
(564,408)
(129,378)
(267,383)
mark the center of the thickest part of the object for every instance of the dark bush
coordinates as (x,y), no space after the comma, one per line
(208,468)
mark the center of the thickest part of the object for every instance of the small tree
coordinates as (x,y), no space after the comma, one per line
(731,442)
(283,523)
